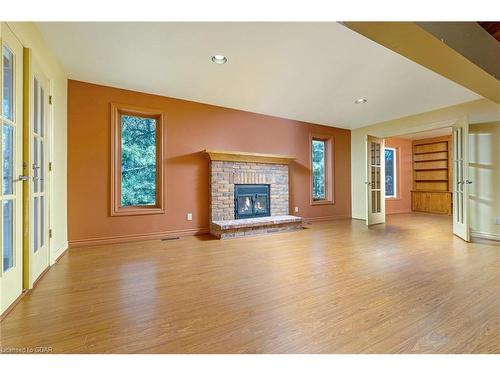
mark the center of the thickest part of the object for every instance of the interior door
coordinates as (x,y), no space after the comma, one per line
(375,186)
(37,168)
(11,237)
(461,180)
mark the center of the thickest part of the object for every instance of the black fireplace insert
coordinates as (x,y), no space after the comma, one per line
(251,201)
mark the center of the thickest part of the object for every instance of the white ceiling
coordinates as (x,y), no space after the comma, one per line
(427,134)
(303,71)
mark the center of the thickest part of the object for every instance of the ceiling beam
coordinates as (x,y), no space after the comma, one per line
(413,42)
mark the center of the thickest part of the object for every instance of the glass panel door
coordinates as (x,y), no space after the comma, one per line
(11,122)
(8,126)
(461,180)
(375,178)
(38,166)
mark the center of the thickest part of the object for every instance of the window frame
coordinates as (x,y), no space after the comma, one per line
(117,110)
(396,177)
(329,169)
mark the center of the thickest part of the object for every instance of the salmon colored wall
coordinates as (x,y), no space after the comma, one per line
(189,128)
(402,203)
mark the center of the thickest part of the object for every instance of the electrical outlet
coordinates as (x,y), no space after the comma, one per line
(296,209)
(497,220)
(189,216)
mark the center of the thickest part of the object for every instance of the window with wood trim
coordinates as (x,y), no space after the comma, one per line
(321,151)
(136,160)
(390,173)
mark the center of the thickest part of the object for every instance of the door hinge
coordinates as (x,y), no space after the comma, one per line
(50,233)
(50,99)
(50,166)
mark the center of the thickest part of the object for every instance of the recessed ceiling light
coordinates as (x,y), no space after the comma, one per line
(219,59)
(360,101)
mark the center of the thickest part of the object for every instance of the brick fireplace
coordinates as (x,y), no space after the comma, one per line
(249,173)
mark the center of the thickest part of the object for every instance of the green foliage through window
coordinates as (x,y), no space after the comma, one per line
(318,169)
(390,172)
(138,161)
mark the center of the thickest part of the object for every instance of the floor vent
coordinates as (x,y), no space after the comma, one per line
(170,238)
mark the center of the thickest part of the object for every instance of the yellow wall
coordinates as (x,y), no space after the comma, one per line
(476,112)
(484,171)
(30,37)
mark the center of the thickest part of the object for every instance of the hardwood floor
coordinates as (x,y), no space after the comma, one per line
(337,287)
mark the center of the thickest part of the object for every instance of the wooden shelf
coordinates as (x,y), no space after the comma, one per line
(430,191)
(430,169)
(248,157)
(428,152)
(431,175)
(426,161)
(427,180)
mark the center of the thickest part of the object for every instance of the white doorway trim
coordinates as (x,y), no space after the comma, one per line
(462,230)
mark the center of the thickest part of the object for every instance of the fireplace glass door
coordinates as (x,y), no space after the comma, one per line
(251,201)
(260,204)
(244,204)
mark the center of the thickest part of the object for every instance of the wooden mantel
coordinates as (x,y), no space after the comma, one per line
(248,157)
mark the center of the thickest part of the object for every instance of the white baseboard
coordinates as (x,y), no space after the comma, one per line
(485,236)
(62,250)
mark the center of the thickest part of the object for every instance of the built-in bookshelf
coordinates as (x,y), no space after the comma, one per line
(432,175)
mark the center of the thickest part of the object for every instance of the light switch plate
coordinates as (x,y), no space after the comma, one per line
(296,209)
(497,220)
(189,216)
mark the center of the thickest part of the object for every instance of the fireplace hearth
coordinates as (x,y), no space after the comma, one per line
(251,200)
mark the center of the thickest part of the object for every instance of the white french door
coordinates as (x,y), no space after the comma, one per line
(11,190)
(375,181)
(37,170)
(461,180)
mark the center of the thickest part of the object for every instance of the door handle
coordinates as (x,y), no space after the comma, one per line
(468,182)
(23,177)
